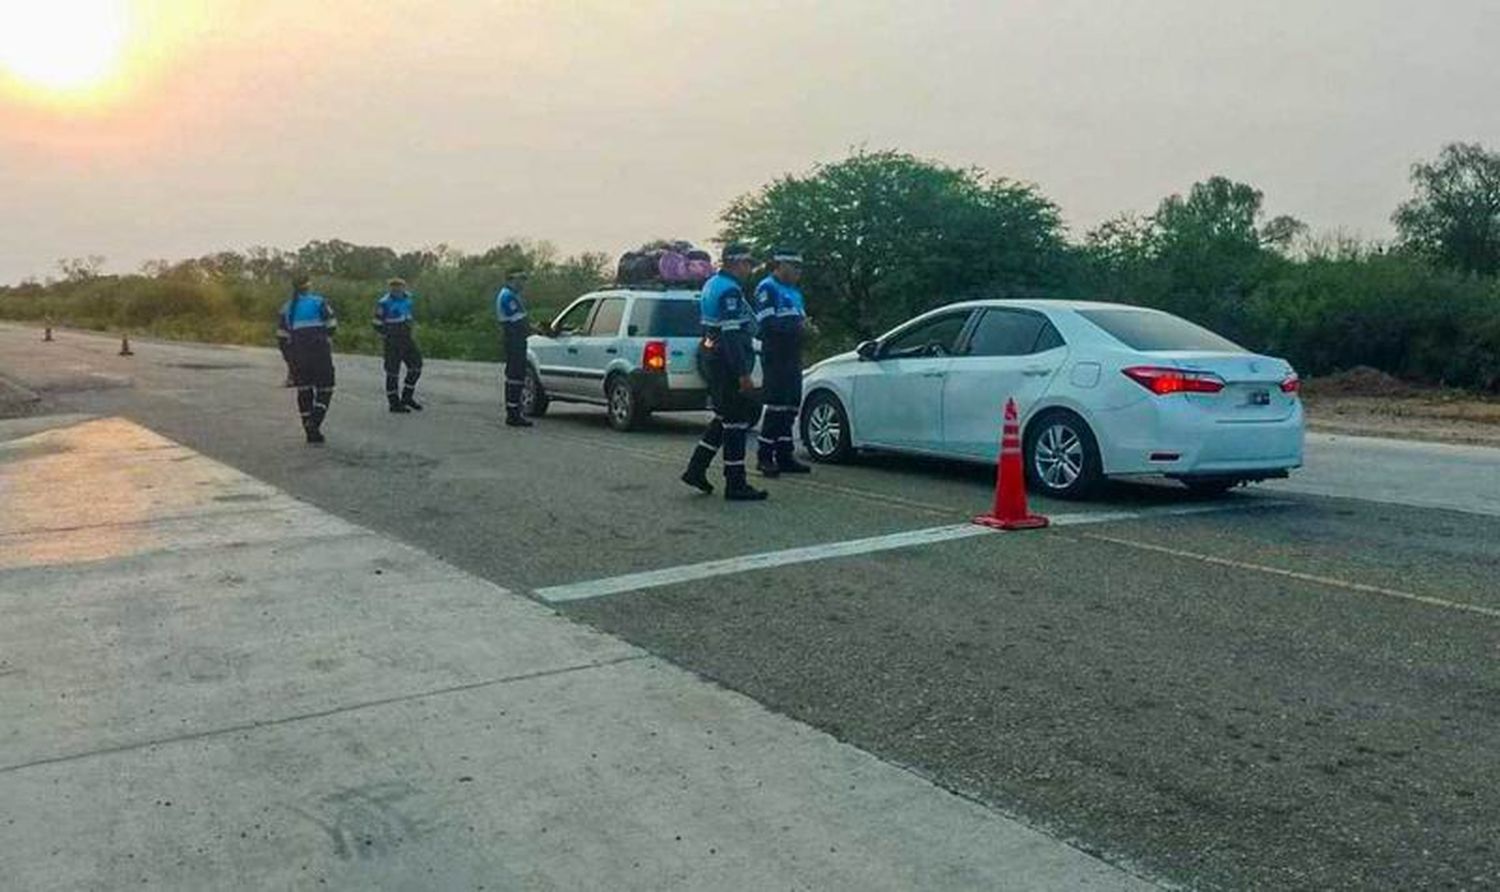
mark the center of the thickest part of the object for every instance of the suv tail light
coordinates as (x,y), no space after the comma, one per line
(1165,381)
(1291,384)
(654,359)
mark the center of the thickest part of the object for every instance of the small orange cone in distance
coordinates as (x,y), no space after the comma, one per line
(125,345)
(1010,512)
(47,335)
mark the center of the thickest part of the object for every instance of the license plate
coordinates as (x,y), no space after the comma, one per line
(1260,397)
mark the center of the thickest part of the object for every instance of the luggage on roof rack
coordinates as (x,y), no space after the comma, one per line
(667,262)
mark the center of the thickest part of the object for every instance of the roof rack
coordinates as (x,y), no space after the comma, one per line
(660,285)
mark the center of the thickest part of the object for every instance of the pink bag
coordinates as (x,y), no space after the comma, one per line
(673,267)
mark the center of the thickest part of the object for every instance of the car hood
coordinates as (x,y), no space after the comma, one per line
(841,359)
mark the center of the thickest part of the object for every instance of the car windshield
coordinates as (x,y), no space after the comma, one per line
(661,318)
(1153,332)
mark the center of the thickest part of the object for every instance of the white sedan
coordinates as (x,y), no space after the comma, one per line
(1104,390)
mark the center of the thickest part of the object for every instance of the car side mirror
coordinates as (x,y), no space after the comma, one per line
(867,350)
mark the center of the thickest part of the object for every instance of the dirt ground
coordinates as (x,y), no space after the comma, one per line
(1366,402)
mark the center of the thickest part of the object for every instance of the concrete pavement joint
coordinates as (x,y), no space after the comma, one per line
(1330,581)
(322,713)
(149,522)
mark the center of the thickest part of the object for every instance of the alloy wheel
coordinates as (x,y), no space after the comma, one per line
(1059,456)
(824,429)
(620,404)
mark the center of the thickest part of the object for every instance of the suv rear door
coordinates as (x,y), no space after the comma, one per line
(676,320)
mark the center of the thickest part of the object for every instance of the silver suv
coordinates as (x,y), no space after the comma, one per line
(631,350)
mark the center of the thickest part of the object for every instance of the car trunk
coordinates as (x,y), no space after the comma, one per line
(1252,385)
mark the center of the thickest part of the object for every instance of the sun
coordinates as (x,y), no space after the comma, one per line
(63,46)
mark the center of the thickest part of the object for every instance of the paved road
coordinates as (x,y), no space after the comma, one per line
(1293,687)
(194,661)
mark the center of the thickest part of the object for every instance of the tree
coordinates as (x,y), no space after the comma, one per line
(1200,255)
(887,235)
(81,269)
(1453,221)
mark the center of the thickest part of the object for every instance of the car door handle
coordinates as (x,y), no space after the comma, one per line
(611,351)
(934,374)
(1036,371)
(572,349)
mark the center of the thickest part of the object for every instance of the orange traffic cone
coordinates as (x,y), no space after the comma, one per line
(125,345)
(1010,512)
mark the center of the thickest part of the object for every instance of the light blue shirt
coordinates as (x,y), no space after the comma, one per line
(393,308)
(723,305)
(508,306)
(306,312)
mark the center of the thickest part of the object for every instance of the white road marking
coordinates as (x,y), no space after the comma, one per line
(1330,581)
(615,585)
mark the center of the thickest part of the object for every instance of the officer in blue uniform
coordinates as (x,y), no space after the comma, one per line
(512,315)
(394,322)
(780,316)
(728,359)
(305,326)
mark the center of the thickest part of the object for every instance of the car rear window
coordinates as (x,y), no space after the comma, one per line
(659,318)
(1154,332)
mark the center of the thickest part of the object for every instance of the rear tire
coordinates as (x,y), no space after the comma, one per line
(624,405)
(825,429)
(1062,456)
(534,399)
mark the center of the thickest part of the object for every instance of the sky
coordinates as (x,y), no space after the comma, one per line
(144,129)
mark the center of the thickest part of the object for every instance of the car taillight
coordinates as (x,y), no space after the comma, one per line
(1291,384)
(1164,381)
(655,357)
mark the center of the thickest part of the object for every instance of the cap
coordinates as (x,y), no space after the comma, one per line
(397,282)
(734,252)
(517,273)
(786,255)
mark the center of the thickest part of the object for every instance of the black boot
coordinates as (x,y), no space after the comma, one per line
(696,474)
(736,489)
(787,463)
(314,435)
(398,407)
(408,396)
(765,462)
(516,419)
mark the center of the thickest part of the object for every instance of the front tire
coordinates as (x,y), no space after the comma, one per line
(1062,456)
(825,429)
(534,399)
(625,411)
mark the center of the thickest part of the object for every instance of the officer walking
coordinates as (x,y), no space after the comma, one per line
(727,360)
(512,315)
(780,316)
(305,326)
(394,322)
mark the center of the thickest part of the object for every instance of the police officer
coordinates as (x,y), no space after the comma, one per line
(512,315)
(305,326)
(394,322)
(727,360)
(780,315)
